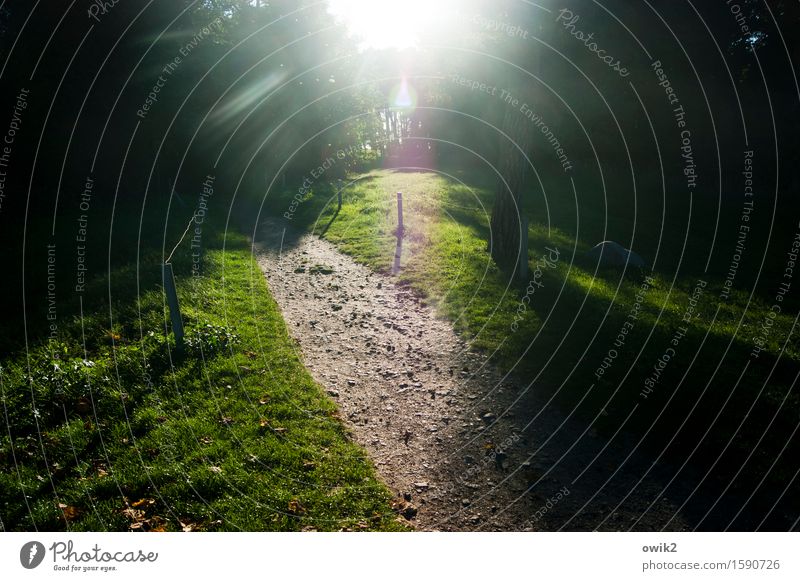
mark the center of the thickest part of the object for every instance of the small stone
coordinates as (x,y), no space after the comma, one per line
(333,393)
(351,382)
(465,502)
(421,486)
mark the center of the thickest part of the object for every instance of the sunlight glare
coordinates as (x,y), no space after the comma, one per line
(398,24)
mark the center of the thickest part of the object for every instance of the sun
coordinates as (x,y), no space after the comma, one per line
(398,24)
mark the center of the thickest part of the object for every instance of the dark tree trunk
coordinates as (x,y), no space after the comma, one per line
(504,242)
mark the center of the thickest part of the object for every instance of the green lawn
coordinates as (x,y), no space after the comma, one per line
(233,434)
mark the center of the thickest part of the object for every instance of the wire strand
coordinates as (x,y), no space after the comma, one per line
(185,232)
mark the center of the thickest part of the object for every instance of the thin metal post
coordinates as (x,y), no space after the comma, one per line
(172,301)
(400,226)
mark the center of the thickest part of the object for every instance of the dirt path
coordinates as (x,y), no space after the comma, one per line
(442,428)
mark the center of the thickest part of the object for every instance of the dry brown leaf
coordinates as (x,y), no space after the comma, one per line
(69,513)
(144,502)
(134,514)
(295,507)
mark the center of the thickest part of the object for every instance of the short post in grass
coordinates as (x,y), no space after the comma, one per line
(523,249)
(172,301)
(400,227)
(339,195)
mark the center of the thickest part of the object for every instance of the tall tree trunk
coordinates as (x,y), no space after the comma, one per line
(504,243)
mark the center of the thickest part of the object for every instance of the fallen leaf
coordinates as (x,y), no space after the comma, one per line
(134,514)
(215,469)
(295,507)
(69,513)
(143,503)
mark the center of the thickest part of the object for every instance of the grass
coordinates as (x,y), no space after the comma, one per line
(559,335)
(110,428)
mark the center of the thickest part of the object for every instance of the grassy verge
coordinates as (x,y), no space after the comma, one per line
(112,429)
(711,389)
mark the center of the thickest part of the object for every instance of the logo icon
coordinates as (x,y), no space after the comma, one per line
(31,554)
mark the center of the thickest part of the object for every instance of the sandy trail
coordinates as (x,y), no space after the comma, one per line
(441,426)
